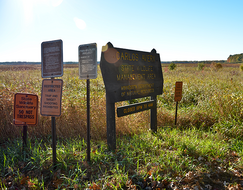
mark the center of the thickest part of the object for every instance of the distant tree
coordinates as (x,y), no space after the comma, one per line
(236,58)
(172,66)
(200,66)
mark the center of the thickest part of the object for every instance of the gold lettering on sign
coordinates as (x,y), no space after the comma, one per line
(121,77)
(130,109)
(126,68)
(145,68)
(125,56)
(148,58)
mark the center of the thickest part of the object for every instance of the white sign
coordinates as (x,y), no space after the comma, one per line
(51,97)
(88,61)
(52,59)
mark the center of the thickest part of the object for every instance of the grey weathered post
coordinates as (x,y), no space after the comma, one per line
(111,124)
(153,115)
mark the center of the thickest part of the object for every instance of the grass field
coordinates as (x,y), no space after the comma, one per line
(203,151)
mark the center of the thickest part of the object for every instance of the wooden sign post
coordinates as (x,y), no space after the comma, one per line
(130,74)
(25,112)
(52,66)
(178,96)
(88,70)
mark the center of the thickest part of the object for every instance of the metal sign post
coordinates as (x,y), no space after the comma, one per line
(88,70)
(51,94)
(25,112)
(88,120)
(51,97)
(54,141)
(178,96)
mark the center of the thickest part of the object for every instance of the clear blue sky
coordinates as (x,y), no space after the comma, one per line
(177,29)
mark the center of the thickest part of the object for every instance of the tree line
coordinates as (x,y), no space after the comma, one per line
(236,58)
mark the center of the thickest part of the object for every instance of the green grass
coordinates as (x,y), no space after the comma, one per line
(167,155)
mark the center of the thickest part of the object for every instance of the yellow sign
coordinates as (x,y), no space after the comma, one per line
(51,97)
(178,91)
(25,109)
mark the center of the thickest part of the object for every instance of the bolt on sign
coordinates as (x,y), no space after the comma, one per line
(25,109)
(51,97)
(88,61)
(52,59)
(130,74)
(178,91)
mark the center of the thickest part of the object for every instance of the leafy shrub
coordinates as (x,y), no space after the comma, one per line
(200,66)
(172,66)
(241,67)
(216,66)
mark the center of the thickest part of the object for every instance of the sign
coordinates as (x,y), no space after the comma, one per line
(130,74)
(88,61)
(135,108)
(52,59)
(178,91)
(25,109)
(51,97)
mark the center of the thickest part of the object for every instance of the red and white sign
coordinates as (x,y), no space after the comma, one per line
(25,109)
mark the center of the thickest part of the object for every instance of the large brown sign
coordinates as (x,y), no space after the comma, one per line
(130,74)
(25,109)
(51,97)
(52,59)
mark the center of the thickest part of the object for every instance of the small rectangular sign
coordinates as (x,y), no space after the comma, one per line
(88,61)
(51,97)
(52,59)
(178,91)
(135,108)
(25,109)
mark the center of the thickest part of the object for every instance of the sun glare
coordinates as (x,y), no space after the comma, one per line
(28,7)
(28,10)
(80,23)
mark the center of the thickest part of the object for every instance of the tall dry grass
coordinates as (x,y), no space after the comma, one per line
(209,97)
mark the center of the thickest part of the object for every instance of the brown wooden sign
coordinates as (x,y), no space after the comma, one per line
(130,74)
(25,109)
(178,91)
(51,97)
(52,59)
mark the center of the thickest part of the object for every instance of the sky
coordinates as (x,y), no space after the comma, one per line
(188,30)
